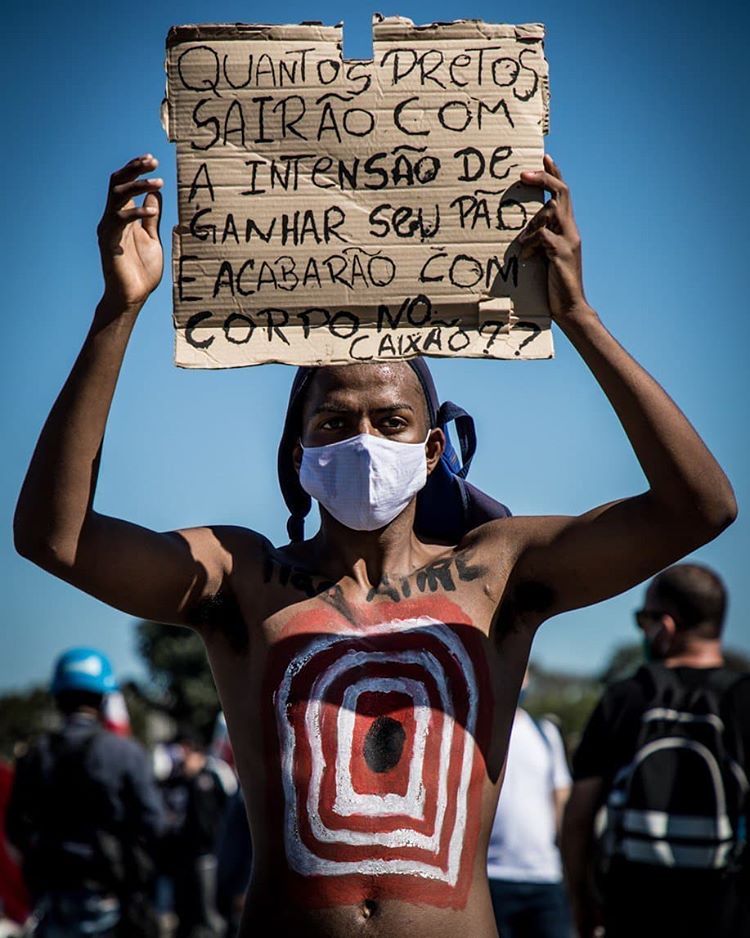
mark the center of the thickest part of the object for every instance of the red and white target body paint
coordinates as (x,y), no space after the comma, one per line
(381,733)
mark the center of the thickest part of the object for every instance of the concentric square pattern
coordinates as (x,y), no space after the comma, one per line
(377,746)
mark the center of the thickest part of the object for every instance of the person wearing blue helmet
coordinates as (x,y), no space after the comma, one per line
(369,673)
(85,813)
(83,670)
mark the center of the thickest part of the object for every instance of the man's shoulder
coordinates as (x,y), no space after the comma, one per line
(243,554)
(121,751)
(624,696)
(107,747)
(494,546)
(235,539)
(738,693)
(498,531)
(534,730)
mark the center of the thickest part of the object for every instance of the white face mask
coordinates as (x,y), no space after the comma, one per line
(364,481)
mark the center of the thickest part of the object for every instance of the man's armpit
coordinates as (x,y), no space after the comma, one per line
(525,605)
(221,614)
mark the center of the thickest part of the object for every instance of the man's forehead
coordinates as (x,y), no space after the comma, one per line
(364,382)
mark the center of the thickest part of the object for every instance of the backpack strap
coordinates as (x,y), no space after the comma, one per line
(540,730)
(467,437)
(722,680)
(656,681)
(549,747)
(58,754)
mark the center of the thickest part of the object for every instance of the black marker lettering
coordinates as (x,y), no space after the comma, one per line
(192,324)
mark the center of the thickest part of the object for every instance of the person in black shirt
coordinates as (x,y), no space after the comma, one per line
(681,623)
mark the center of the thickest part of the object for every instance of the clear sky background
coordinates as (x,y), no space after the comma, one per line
(649,125)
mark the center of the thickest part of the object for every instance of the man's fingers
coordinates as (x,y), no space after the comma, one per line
(551,166)
(552,184)
(152,220)
(121,194)
(127,174)
(546,216)
(124,187)
(542,240)
(126,215)
(141,164)
(550,178)
(112,225)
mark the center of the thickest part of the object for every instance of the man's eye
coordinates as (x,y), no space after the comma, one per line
(333,423)
(394,423)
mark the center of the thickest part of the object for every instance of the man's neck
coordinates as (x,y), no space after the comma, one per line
(703,653)
(368,556)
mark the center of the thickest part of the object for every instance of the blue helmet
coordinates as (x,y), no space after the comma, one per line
(83,669)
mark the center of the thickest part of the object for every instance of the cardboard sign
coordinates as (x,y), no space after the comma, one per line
(338,211)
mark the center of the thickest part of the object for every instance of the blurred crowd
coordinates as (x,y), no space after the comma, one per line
(642,832)
(103,838)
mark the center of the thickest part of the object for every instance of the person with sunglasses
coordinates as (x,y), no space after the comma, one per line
(666,754)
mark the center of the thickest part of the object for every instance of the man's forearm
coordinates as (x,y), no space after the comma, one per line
(577,843)
(683,475)
(59,487)
(687,484)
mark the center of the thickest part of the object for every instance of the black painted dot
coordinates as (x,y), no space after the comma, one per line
(384,744)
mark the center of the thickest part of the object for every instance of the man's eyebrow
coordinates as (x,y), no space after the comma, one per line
(332,409)
(343,409)
(391,407)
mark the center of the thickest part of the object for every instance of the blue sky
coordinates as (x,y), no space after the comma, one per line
(647,124)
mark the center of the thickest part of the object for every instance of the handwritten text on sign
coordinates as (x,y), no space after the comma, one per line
(334,211)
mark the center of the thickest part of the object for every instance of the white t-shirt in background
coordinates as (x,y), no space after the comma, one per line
(522,844)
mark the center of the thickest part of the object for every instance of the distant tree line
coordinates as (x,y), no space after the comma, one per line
(180,686)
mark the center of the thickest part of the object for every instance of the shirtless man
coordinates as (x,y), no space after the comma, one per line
(369,678)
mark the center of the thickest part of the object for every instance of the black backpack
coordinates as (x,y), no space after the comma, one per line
(680,802)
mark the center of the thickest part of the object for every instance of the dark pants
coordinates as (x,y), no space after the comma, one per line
(530,910)
(195,898)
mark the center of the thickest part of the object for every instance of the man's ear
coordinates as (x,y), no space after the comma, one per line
(297,455)
(664,636)
(434,447)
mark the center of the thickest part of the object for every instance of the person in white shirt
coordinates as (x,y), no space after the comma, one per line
(523,860)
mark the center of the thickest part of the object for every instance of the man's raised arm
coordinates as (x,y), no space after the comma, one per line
(157,576)
(564,563)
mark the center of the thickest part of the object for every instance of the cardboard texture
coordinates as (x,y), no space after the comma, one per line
(335,211)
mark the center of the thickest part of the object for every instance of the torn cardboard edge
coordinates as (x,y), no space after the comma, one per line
(384,28)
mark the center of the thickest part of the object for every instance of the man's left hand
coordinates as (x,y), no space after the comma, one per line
(554,233)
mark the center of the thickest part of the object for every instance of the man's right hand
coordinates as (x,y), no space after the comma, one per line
(131,253)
